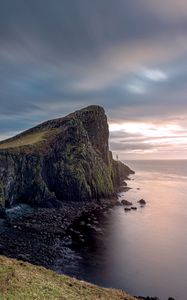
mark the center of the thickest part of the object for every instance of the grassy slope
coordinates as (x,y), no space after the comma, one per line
(23,281)
(25,140)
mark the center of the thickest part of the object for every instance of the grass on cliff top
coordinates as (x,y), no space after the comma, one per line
(23,281)
(28,139)
(25,140)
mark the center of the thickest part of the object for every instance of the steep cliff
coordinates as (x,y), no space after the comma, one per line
(60,160)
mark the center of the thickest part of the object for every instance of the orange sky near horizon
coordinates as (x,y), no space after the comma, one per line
(146,140)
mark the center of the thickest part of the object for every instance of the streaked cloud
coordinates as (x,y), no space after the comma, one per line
(129,56)
(155,75)
(136,87)
(148,138)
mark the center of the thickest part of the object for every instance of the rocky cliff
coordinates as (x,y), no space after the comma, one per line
(60,160)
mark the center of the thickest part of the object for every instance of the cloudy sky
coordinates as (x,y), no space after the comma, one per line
(129,56)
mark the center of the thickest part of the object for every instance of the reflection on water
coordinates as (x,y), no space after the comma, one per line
(143,251)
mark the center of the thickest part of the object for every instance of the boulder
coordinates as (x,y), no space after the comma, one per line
(142,201)
(127,209)
(126,202)
(134,207)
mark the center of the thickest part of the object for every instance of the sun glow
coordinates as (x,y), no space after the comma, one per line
(146,129)
(146,139)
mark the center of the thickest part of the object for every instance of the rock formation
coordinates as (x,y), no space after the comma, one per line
(65,159)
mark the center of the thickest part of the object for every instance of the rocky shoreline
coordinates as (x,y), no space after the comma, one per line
(42,235)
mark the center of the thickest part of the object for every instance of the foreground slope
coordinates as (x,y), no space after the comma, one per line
(20,281)
(60,160)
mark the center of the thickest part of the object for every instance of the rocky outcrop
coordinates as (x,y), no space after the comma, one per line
(60,160)
(126,202)
(142,202)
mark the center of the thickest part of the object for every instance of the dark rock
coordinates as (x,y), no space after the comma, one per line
(51,203)
(2,213)
(126,202)
(147,298)
(123,188)
(134,207)
(142,201)
(127,208)
(118,203)
(171,298)
(120,174)
(66,159)
(82,223)
(23,257)
(18,210)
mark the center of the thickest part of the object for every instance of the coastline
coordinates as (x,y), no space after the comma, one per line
(43,235)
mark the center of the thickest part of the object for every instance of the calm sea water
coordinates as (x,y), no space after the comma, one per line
(143,252)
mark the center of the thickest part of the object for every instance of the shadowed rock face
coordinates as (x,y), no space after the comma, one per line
(60,160)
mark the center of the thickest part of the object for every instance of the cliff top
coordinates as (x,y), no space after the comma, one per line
(21,280)
(36,137)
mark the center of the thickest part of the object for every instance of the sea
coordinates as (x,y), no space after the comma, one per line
(143,252)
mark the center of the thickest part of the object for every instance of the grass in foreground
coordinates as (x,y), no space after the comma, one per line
(23,281)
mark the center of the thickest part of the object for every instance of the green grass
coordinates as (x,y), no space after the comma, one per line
(24,140)
(23,281)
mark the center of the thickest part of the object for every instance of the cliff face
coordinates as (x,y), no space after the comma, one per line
(60,160)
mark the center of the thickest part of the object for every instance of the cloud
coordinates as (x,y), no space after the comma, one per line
(130,146)
(62,55)
(155,75)
(136,87)
(128,139)
(168,9)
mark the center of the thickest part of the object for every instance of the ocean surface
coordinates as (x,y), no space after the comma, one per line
(143,252)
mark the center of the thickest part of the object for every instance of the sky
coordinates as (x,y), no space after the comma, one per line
(129,56)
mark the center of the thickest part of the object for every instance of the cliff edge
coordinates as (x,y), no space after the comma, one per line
(60,160)
(20,280)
